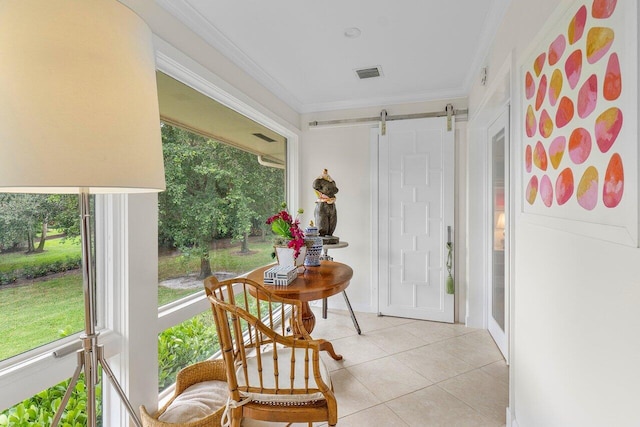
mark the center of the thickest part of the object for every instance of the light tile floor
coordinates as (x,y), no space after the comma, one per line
(403,372)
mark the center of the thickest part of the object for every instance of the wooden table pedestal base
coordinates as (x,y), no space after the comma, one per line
(315,283)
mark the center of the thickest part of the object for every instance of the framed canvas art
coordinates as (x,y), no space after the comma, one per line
(579,91)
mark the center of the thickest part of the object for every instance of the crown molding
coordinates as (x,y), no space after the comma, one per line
(183,11)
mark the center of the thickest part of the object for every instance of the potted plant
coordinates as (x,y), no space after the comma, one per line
(289,244)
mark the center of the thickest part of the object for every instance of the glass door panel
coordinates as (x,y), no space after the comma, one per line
(498,227)
(498,187)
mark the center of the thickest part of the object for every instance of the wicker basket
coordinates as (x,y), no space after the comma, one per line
(202,371)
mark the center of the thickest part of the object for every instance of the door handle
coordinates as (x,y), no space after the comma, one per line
(451,289)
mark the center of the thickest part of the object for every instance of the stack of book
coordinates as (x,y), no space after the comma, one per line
(281,275)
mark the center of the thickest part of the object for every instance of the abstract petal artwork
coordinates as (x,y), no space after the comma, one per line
(556,151)
(579,154)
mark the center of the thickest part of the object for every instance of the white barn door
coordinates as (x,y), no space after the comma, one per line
(415,209)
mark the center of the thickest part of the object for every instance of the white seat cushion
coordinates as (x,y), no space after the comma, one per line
(284,367)
(196,402)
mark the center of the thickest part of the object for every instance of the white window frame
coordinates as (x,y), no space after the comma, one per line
(26,374)
(183,69)
(175,64)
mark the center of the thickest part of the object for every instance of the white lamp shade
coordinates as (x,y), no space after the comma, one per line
(78,99)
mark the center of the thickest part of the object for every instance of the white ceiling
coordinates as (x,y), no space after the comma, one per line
(428,49)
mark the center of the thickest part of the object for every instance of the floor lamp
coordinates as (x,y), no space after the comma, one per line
(79,114)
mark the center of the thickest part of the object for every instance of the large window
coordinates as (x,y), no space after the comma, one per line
(212,215)
(41,298)
(225,176)
(41,295)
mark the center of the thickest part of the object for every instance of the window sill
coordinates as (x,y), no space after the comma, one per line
(29,373)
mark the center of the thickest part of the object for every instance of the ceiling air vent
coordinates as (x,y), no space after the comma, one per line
(367,73)
(264,137)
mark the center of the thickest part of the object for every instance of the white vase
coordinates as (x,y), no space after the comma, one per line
(285,257)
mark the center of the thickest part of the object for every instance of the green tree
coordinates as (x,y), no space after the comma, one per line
(67,214)
(190,210)
(24,216)
(256,194)
(213,190)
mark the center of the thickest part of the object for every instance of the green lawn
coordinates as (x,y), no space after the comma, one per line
(35,314)
(167,295)
(54,250)
(228,259)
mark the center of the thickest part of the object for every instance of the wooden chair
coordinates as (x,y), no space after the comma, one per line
(274,371)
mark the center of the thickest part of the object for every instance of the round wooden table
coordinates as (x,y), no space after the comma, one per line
(315,283)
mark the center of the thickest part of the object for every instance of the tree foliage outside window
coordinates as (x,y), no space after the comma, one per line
(214,191)
(27,217)
(40,294)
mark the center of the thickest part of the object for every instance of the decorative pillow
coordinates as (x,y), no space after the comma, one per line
(284,367)
(196,402)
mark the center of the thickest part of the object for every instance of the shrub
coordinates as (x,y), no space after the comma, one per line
(8,278)
(40,409)
(57,266)
(71,264)
(189,342)
(34,271)
(40,270)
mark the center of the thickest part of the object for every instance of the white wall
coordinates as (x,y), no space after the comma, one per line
(521,23)
(575,299)
(577,330)
(345,153)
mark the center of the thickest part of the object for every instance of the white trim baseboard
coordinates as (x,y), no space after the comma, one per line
(511,418)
